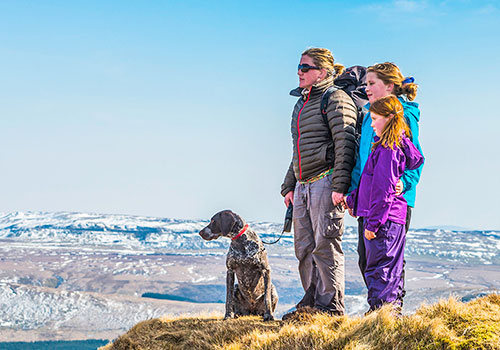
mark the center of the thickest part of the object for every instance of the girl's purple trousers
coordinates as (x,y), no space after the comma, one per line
(384,265)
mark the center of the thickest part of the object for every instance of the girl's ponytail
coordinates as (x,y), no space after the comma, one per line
(409,89)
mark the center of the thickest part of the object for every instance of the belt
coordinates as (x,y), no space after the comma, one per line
(318,177)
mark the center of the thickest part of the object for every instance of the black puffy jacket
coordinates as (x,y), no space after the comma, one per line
(314,150)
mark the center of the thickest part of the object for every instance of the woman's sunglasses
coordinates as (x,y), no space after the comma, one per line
(304,68)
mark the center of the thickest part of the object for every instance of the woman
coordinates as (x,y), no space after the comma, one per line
(385,79)
(317,178)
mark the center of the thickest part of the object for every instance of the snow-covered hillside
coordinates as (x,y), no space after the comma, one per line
(161,235)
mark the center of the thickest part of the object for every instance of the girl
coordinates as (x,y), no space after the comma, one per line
(375,200)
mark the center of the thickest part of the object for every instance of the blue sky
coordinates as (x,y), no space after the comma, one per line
(181,109)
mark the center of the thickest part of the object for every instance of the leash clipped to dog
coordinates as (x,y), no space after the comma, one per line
(287,226)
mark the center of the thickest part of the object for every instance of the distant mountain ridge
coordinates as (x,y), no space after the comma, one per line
(176,236)
(447,227)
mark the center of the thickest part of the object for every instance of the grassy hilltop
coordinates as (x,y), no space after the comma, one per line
(445,325)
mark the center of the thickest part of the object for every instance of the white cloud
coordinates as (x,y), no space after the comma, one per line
(396,6)
(409,5)
(397,12)
(488,9)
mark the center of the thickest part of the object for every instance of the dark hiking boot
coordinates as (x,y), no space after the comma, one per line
(300,314)
(304,313)
(289,315)
(328,310)
(308,298)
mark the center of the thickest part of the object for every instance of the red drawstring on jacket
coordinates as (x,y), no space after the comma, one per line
(298,131)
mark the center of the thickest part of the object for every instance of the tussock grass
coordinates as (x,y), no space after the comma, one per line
(448,324)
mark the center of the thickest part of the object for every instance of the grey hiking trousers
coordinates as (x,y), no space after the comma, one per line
(318,229)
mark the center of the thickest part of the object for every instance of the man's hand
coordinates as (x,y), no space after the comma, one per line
(337,198)
(289,198)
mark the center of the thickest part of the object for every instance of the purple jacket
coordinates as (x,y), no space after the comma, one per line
(376,198)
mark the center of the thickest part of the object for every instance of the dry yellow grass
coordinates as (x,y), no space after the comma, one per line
(449,324)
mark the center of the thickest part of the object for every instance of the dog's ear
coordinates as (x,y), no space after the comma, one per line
(230,222)
(227,222)
(215,223)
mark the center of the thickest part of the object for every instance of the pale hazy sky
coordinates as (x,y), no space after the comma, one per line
(181,109)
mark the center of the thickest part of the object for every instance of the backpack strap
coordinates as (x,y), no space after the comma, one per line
(324,105)
(362,112)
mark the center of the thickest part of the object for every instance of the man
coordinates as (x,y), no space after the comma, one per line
(318,176)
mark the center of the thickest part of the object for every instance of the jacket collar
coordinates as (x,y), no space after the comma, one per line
(317,89)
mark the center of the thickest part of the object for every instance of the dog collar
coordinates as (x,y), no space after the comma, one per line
(241,232)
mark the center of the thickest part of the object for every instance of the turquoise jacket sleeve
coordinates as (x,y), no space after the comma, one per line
(356,174)
(364,150)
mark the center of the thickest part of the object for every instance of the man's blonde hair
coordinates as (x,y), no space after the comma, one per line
(323,58)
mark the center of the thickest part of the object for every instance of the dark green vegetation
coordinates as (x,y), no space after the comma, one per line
(90,344)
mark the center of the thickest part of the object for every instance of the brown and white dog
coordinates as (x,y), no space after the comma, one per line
(247,259)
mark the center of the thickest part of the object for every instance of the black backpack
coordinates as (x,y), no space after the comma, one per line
(353,82)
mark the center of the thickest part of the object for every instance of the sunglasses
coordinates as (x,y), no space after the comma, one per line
(304,68)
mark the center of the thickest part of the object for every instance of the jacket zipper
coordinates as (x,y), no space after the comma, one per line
(298,131)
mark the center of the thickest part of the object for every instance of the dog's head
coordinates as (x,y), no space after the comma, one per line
(224,223)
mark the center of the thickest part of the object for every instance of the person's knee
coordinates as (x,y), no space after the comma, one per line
(302,251)
(326,255)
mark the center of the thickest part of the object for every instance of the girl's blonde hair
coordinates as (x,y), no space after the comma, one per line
(323,58)
(389,73)
(390,107)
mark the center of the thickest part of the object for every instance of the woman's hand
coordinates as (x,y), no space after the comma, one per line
(344,203)
(289,198)
(399,187)
(345,206)
(369,235)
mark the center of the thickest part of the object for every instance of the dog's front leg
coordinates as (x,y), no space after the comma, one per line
(268,316)
(229,294)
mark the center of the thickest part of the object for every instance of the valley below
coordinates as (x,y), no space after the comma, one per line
(76,276)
